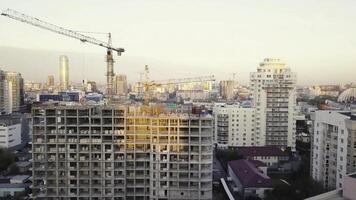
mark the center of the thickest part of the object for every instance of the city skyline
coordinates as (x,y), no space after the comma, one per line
(233,35)
(207,100)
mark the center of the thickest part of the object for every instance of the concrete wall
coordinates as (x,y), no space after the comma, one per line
(10,136)
(349,188)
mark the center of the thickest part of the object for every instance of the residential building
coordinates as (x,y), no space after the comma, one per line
(274,99)
(120,152)
(325,90)
(24,166)
(120,85)
(249,178)
(10,130)
(333,150)
(227,89)
(234,126)
(269,155)
(10,186)
(63,73)
(15,92)
(3,92)
(8,190)
(50,81)
(91,86)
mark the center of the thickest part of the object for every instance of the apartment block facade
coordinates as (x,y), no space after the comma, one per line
(10,130)
(3,92)
(120,152)
(234,126)
(274,99)
(333,150)
(11,92)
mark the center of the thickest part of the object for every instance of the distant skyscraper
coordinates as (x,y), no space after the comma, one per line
(63,72)
(15,91)
(120,84)
(50,81)
(227,89)
(274,100)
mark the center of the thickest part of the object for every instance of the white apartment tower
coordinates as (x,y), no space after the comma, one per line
(15,92)
(234,126)
(3,92)
(89,152)
(63,73)
(10,130)
(274,99)
(333,147)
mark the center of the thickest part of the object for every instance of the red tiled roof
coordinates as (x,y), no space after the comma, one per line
(249,175)
(261,151)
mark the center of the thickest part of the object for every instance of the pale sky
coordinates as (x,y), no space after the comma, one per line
(185,38)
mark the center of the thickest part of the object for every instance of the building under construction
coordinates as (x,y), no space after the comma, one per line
(121,152)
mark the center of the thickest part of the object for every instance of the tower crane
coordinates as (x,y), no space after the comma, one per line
(76,35)
(148,85)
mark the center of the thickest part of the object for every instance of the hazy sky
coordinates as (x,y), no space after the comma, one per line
(316,38)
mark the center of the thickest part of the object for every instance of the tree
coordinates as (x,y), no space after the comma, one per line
(6,158)
(13,169)
(226,155)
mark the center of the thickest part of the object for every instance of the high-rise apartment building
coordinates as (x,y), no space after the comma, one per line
(333,147)
(63,73)
(120,85)
(227,89)
(3,92)
(234,126)
(50,81)
(15,92)
(114,152)
(274,99)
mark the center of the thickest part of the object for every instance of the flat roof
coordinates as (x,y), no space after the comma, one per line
(14,185)
(20,177)
(261,151)
(332,195)
(23,163)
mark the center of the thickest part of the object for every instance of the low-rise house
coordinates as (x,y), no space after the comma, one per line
(24,166)
(249,178)
(8,189)
(12,185)
(19,179)
(270,155)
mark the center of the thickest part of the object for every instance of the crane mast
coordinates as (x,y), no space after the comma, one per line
(76,35)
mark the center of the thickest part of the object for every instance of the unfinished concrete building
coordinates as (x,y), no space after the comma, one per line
(111,152)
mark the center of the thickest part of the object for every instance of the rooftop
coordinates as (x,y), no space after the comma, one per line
(20,177)
(10,119)
(15,185)
(249,175)
(332,195)
(261,151)
(23,163)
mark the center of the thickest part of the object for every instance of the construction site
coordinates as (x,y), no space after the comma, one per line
(113,149)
